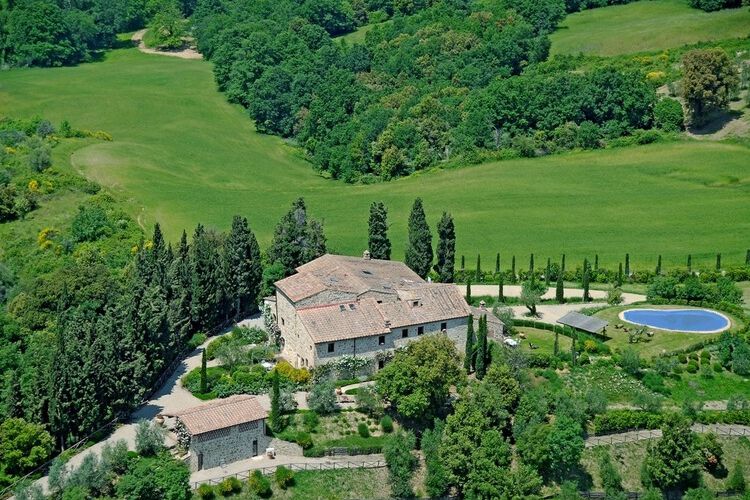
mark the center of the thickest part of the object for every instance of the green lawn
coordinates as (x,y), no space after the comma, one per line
(661,341)
(543,339)
(646,26)
(181,155)
(718,388)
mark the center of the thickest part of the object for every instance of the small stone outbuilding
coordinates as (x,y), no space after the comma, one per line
(222,431)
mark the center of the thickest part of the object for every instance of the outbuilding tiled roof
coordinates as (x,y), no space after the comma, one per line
(353,275)
(220,414)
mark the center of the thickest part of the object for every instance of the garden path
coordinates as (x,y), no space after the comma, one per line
(171,396)
(188,53)
(726,430)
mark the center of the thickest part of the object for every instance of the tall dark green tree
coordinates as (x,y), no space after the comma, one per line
(468,290)
(513,275)
(446,249)
(378,243)
(497,262)
(479,269)
(562,265)
(690,263)
(596,262)
(718,262)
(658,266)
(463,262)
(500,291)
(180,285)
(469,350)
(585,281)
(244,270)
(418,254)
(205,277)
(481,359)
(531,266)
(296,240)
(204,373)
(547,273)
(747,258)
(275,414)
(559,288)
(627,265)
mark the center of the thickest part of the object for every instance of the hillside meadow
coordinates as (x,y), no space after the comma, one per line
(645,26)
(182,155)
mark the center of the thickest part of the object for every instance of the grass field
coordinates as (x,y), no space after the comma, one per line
(646,26)
(182,155)
(543,339)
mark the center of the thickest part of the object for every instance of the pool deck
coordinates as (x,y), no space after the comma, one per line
(727,318)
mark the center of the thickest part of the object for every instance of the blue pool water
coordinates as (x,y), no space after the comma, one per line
(682,320)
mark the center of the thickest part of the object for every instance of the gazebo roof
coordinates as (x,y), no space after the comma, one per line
(582,322)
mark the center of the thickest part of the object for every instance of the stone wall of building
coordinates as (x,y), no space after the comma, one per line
(298,346)
(370,346)
(228,445)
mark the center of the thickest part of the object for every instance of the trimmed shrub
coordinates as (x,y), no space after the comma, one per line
(668,115)
(682,358)
(692,367)
(284,477)
(196,340)
(678,370)
(259,484)
(623,420)
(304,440)
(205,491)
(310,420)
(386,423)
(363,430)
(717,367)
(229,486)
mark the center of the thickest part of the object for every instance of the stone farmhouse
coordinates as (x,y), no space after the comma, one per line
(222,431)
(337,305)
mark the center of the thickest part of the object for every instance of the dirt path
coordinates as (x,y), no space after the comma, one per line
(187,53)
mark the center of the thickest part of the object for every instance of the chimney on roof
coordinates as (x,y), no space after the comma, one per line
(366,255)
(387,323)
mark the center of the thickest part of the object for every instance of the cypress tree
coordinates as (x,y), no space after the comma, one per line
(547,273)
(205,266)
(618,281)
(531,267)
(470,345)
(468,290)
(559,289)
(419,249)
(562,265)
(179,277)
(378,243)
(275,414)
(296,240)
(314,245)
(497,262)
(481,356)
(690,263)
(718,262)
(658,266)
(479,268)
(463,262)
(585,281)
(573,360)
(513,269)
(204,374)
(244,271)
(556,348)
(596,262)
(446,249)
(747,257)
(627,265)
(500,294)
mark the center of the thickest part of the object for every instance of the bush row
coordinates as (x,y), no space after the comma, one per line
(616,421)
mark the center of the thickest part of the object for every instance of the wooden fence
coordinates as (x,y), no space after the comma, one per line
(296,467)
(726,430)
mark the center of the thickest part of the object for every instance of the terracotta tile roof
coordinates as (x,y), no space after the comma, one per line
(346,320)
(354,275)
(221,414)
(431,303)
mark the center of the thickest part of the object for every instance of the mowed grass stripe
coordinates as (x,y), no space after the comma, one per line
(183,155)
(646,26)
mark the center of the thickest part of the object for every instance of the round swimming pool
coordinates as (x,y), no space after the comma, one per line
(678,320)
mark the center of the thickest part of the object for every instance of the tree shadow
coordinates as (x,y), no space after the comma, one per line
(715,122)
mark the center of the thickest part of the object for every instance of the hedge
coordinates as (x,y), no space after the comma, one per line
(616,421)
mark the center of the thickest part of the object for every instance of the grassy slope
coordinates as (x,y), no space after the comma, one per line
(628,458)
(646,26)
(182,155)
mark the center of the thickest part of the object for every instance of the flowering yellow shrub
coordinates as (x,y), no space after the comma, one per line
(589,346)
(33,185)
(296,375)
(655,75)
(45,236)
